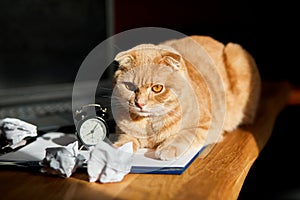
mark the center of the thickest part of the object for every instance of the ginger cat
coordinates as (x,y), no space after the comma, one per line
(162,100)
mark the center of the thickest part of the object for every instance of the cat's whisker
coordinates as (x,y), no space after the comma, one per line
(112,97)
(120,104)
(116,97)
(105,88)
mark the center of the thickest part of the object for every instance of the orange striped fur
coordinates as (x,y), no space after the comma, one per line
(179,116)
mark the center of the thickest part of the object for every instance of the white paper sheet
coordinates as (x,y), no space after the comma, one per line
(143,159)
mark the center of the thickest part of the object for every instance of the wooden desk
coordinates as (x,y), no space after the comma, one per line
(219,175)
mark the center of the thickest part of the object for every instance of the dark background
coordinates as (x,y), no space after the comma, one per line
(266,29)
(45,41)
(52,37)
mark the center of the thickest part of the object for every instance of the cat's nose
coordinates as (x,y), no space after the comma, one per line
(140,104)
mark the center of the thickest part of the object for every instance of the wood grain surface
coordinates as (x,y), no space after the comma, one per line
(217,175)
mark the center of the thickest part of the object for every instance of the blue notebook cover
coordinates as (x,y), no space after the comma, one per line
(145,163)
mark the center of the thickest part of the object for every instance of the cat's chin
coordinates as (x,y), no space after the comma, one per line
(139,112)
(144,113)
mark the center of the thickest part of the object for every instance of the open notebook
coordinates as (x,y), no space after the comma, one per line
(143,161)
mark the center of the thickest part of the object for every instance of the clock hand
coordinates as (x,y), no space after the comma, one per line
(94,128)
(92,131)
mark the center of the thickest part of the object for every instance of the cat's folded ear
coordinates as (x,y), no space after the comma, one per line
(168,56)
(172,59)
(125,59)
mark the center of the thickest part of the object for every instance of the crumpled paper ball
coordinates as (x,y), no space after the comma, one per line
(62,161)
(16,130)
(109,164)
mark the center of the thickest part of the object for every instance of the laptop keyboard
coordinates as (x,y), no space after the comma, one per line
(36,109)
(50,115)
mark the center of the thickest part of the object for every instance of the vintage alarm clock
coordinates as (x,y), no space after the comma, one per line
(91,126)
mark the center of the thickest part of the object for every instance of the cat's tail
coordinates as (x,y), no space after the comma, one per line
(244,86)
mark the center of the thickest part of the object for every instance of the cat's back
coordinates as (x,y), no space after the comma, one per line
(236,68)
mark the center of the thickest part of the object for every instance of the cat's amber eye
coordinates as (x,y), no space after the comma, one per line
(157,88)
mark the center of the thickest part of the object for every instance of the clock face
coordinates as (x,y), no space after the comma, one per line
(92,131)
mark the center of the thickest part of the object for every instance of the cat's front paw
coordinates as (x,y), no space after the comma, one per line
(123,141)
(169,152)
